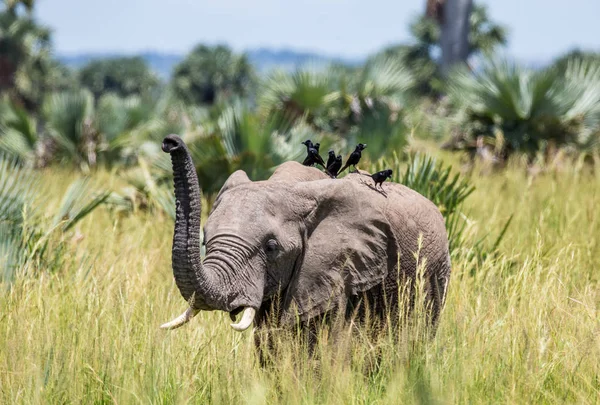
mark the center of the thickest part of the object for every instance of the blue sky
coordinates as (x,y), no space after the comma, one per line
(538,29)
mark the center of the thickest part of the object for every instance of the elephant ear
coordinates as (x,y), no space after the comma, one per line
(237,178)
(349,246)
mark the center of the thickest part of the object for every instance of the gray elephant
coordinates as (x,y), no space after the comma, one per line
(302,243)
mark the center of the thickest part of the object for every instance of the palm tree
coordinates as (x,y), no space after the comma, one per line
(243,140)
(18,132)
(590,58)
(304,95)
(209,74)
(24,51)
(422,55)
(484,34)
(69,123)
(378,98)
(513,109)
(124,76)
(358,105)
(12,4)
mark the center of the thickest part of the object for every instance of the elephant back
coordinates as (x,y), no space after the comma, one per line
(296,172)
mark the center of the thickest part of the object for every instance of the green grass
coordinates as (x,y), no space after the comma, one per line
(522,326)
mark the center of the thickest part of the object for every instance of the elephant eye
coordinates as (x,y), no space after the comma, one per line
(272,245)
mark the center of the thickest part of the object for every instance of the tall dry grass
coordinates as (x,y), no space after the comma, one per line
(522,326)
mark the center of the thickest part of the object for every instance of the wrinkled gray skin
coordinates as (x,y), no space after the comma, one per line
(303,241)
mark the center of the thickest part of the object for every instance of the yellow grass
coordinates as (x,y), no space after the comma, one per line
(523,327)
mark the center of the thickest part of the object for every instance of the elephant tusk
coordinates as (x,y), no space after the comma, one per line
(181,319)
(246,321)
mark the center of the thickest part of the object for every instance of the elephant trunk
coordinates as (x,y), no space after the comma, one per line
(187,266)
(196,285)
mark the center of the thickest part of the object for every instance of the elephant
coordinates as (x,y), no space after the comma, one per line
(306,242)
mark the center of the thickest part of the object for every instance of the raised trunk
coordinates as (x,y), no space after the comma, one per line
(197,285)
(187,265)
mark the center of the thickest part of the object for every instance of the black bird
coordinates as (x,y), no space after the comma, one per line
(331,158)
(334,168)
(317,146)
(380,177)
(312,154)
(308,161)
(354,157)
(308,144)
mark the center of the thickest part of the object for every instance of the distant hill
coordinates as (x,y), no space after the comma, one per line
(263,59)
(267,59)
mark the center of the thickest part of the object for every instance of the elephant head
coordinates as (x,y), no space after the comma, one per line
(300,236)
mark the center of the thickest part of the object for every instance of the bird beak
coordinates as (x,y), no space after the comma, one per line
(365,146)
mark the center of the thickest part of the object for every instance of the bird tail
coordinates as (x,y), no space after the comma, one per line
(343,168)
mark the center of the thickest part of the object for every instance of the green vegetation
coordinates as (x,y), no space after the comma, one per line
(563,62)
(28,242)
(518,110)
(422,54)
(27,71)
(87,210)
(122,76)
(112,114)
(212,74)
(365,104)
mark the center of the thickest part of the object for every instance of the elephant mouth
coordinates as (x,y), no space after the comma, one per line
(247,319)
(235,312)
(248,314)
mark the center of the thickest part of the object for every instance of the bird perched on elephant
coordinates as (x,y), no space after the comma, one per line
(312,154)
(380,177)
(354,157)
(330,158)
(303,243)
(335,166)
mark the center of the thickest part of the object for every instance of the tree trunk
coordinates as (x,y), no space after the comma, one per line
(435,10)
(455,33)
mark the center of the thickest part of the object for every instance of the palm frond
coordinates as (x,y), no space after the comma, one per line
(17,191)
(385,78)
(67,115)
(18,132)
(436,182)
(525,109)
(79,200)
(303,94)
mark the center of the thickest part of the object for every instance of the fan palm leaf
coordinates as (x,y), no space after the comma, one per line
(526,108)
(69,118)
(17,191)
(304,94)
(18,132)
